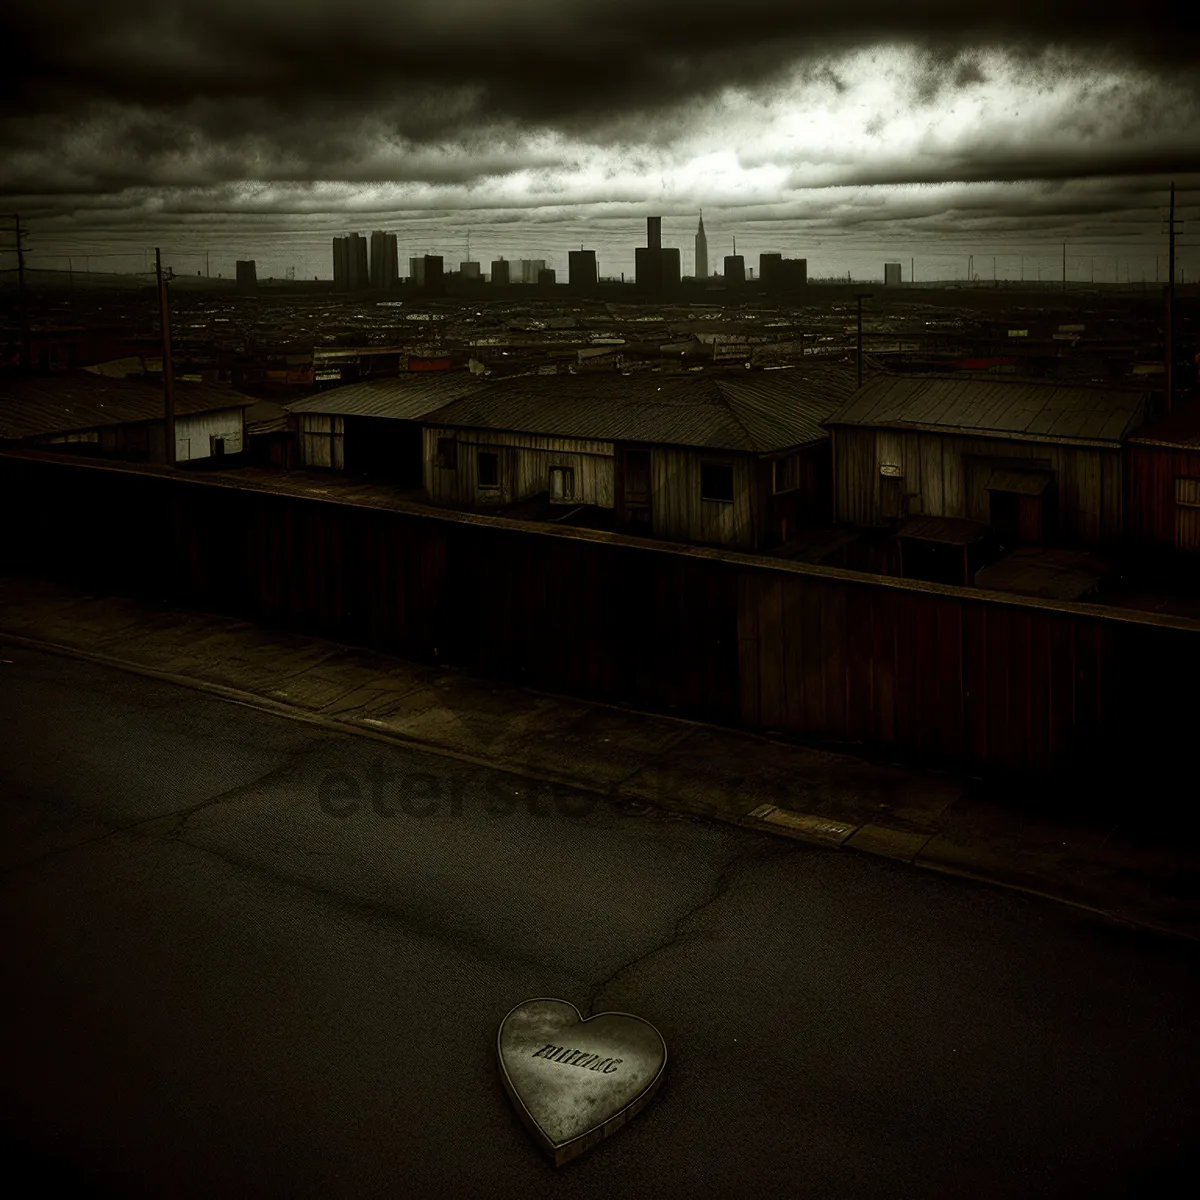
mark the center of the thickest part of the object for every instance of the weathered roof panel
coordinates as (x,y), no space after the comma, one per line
(1055,411)
(41,405)
(405,397)
(757,414)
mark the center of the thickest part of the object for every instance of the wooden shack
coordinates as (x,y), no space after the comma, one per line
(1164,483)
(374,427)
(1037,462)
(724,460)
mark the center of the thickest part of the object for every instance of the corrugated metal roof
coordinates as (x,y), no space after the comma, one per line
(34,407)
(953,404)
(403,398)
(759,413)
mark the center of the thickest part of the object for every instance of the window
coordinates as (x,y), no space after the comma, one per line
(447,453)
(716,482)
(489,469)
(786,476)
(562,483)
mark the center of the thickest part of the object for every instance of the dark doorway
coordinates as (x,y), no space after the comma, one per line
(1005,516)
(385,449)
(635,489)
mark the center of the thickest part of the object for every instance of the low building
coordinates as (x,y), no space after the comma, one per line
(1164,483)
(719,460)
(374,428)
(123,418)
(1036,462)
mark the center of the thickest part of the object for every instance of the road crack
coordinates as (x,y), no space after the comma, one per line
(746,860)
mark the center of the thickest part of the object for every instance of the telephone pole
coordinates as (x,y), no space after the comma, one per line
(19,246)
(168,389)
(860,297)
(1168,340)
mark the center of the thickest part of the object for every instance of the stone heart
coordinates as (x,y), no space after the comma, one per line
(576,1082)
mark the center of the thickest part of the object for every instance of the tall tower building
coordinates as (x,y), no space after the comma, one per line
(500,273)
(581,268)
(247,279)
(385,267)
(341,264)
(356,246)
(701,251)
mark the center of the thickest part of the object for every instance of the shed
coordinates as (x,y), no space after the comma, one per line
(1164,482)
(125,418)
(374,427)
(734,460)
(1035,461)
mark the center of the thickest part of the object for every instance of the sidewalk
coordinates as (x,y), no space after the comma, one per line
(925,819)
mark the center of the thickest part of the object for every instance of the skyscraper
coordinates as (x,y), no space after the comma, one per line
(581,268)
(500,271)
(341,264)
(385,267)
(356,253)
(435,275)
(891,274)
(247,279)
(701,251)
(735,270)
(416,271)
(468,270)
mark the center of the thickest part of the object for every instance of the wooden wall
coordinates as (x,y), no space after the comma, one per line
(1153,471)
(681,515)
(525,462)
(936,674)
(939,470)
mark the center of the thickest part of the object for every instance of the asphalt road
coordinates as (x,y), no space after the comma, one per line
(225,976)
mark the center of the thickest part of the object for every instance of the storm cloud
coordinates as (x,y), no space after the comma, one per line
(146,107)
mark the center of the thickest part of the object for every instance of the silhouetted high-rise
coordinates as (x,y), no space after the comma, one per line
(356,255)
(701,251)
(341,264)
(581,268)
(247,279)
(385,266)
(735,270)
(435,275)
(500,273)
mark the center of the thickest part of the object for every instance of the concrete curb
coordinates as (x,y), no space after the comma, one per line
(900,845)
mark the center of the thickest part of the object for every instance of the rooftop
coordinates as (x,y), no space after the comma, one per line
(40,405)
(405,397)
(1038,411)
(758,413)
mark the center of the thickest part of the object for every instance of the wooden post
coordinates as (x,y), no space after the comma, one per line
(168,382)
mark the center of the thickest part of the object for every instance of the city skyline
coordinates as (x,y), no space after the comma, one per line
(235,130)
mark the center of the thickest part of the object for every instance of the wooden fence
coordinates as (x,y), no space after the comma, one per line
(935,674)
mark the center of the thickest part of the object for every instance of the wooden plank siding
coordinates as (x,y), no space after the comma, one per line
(525,462)
(1155,477)
(935,674)
(947,475)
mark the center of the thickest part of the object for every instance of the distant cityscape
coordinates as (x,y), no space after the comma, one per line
(361,264)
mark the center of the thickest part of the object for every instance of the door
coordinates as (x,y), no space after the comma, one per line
(636,495)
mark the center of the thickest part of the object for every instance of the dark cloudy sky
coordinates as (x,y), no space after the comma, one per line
(833,128)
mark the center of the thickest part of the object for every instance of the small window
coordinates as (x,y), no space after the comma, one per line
(447,454)
(787,474)
(716,482)
(562,483)
(489,470)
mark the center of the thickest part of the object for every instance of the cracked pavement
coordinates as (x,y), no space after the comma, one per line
(244,955)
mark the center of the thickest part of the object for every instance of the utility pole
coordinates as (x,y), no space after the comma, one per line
(168,391)
(1169,339)
(860,297)
(19,234)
